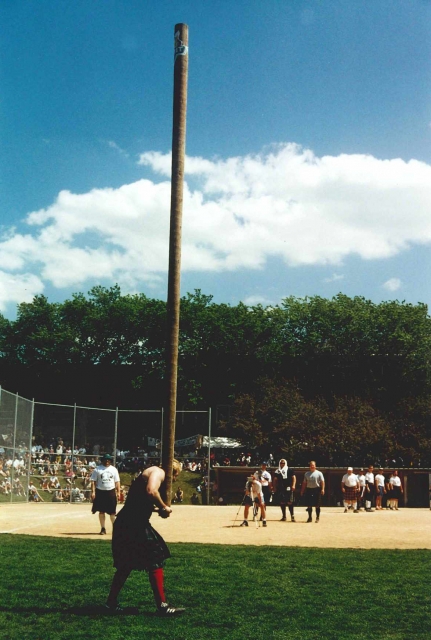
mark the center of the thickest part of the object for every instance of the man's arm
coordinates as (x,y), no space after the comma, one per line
(155,479)
(303,486)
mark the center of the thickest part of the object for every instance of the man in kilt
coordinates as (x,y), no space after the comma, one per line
(105,489)
(136,545)
(313,486)
(285,484)
(350,488)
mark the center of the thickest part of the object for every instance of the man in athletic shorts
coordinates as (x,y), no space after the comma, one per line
(105,489)
(379,484)
(136,545)
(313,486)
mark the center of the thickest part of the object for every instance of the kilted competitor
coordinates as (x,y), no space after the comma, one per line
(395,489)
(105,489)
(313,486)
(350,488)
(285,484)
(136,545)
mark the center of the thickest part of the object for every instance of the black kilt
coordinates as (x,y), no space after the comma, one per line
(105,502)
(396,493)
(313,497)
(136,545)
(286,497)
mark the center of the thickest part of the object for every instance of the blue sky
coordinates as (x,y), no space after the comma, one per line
(308,148)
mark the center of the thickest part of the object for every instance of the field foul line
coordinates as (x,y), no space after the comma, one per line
(35,526)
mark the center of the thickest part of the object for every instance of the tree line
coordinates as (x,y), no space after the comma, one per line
(339,374)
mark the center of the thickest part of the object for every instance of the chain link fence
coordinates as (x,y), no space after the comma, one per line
(48,451)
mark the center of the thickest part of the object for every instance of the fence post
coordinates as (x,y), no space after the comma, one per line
(29,446)
(209,457)
(115,435)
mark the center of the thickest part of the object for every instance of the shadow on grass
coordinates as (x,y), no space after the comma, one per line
(84,533)
(88,610)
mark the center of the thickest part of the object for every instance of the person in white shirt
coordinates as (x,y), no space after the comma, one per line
(105,490)
(253,495)
(369,488)
(350,488)
(265,480)
(361,495)
(379,481)
(396,490)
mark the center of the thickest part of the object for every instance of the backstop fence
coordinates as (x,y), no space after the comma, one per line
(47,451)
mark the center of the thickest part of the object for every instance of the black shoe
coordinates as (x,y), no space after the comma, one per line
(167,611)
(244,523)
(283,519)
(103,531)
(264,523)
(310,519)
(317,519)
(292,519)
(345,510)
(113,608)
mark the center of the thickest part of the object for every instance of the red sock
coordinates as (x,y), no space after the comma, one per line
(156,582)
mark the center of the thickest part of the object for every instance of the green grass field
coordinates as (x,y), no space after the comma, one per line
(52,589)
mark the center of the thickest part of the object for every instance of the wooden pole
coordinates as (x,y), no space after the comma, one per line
(174,275)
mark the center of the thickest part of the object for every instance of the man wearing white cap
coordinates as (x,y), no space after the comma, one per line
(350,488)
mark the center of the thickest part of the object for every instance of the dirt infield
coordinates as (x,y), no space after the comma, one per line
(403,529)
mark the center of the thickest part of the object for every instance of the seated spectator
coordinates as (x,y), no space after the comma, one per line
(18,488)
(179,495)
(45,484)
(58,496)
(33,494)
(195,498)
(54,483)
(122,496)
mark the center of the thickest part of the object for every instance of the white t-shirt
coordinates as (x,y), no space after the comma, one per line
(350,480)
(255,489)
(395,481)
(265,478)
(361,479)
(105,477)
(380,480)
(369,477)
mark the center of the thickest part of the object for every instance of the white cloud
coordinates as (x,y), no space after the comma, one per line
(238,212)
(252,301)
(393,284)
(16,288)
(334,278)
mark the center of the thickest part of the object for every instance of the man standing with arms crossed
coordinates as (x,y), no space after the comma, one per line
(105,490)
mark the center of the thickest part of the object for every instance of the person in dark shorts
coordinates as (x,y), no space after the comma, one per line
(105,489)
(313,486)
(136,545)
(285,484)
(369,489)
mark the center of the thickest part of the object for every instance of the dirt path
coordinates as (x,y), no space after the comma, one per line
(403,529)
